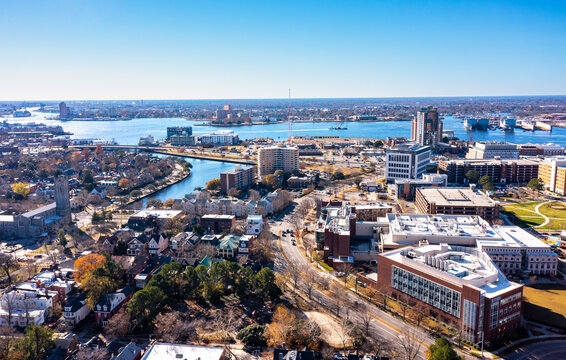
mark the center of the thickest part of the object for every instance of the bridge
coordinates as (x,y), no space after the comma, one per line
(165,150)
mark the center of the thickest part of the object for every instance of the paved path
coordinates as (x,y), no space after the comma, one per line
(546,219)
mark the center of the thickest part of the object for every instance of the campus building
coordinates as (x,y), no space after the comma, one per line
(406,188)
(273,158)
(456,201)
(239,178)
(500,171)
(457,285)
(493,150)
(552,173)
(406,161)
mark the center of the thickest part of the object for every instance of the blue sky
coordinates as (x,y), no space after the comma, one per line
(71,49)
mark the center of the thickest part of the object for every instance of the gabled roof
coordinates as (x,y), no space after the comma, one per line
(207,262)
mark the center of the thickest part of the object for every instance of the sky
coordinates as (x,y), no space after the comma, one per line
(112,49)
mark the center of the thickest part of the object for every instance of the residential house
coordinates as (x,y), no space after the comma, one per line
(228,246)
(245,243)
(254,224)
(76,309)
(110,303)
(157,244)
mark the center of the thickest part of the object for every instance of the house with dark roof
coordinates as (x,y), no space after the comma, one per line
(76,309)
(110,303)
(283,354)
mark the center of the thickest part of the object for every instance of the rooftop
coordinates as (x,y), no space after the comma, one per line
(456,197)
(440,225)
(158,213)
(513,236)
(455,264)
(163,351)
(409,146)
(491,161)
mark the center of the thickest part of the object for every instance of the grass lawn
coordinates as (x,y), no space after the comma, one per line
(545,304)
(526,216)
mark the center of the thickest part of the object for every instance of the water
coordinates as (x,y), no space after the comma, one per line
(128,132)
(201,173)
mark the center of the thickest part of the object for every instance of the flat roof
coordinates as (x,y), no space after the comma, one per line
(456,197)
(217,216)
(513,236)
(457,265)
(159,213)
(162,351)
(491,161)
(440,225)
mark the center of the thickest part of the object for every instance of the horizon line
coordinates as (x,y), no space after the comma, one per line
(287,99)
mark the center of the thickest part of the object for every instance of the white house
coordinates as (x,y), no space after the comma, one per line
(76,310)
(157,245)
(254,224)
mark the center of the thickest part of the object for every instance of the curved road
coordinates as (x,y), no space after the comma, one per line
(547,350)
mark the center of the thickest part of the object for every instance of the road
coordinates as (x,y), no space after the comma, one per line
(547,350)
(384,325)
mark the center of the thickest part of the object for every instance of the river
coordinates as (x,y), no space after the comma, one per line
(127,132)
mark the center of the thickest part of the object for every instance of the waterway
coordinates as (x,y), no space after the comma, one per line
(127,132)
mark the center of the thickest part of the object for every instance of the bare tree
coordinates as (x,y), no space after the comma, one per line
(254,195)
(118,325)
(8,264)
(419,313)
(403,304)
(366,321)
(409,344)
(346,270)
(343,329)
(294,275)
(309,282)
(173,327)
(9,303)
(204,250)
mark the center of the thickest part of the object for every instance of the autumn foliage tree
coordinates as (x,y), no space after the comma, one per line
(85,265)
(124,183)
(20,189)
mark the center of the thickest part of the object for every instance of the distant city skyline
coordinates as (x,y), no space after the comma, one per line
(67,50)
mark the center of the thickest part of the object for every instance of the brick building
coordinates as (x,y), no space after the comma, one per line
(217,223)
(500,171)
(239,178)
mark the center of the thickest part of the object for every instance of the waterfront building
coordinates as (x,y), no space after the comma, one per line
(43,220)
(552,173)
(63,111)
(179,130)
(426,128)
(220,137)
(406,161)
(226,113)
(239,178)
(500,171)
(146,140)
(183,140)
(458,286)
(456,201)
(493,150)
(273,158)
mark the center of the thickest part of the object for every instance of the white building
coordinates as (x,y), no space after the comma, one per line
(164,351)
(254,224)
(76,310)
(220,137)
(146,140)
(492,150)
(406,161)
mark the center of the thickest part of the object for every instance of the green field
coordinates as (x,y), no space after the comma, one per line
(525,215)
(545,304)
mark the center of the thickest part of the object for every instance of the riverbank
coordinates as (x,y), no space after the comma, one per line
(225,158)
(209,123)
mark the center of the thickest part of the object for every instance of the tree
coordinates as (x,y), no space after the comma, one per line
(265,284)
(154,203)
(145,305)
(472,176)
(409,344)
(8,264)
(270,181)
(62,238)
(88,353)
(124,183)
(254,195)
(535,184)
(172,327)
(21,189)
(442,350)
(357,181)
(98,152)
(86,264)
(170,280)
(252,335)
(488,186)
(213,184)
(337,175)
(484,180)
(276,332)
(118,325)
(121,248)
(37,342)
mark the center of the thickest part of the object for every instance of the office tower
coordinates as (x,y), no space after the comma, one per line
(426,128)
(63,110)
(406,161)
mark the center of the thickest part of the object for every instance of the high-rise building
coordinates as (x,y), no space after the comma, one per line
(552,173)
(62,199)
(63,110)
(426,128)
(239,178)
(226,113)
(406,161)
(273,158)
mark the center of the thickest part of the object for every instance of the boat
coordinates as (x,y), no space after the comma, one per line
(338,127)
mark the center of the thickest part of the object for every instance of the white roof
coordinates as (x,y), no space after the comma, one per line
(159,213)
(162,351)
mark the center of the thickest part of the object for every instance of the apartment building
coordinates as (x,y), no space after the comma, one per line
(239,178)
(456,285)
(218,223)
(406,161)
(273,158)
(178,131)
(552,173)
(492,150)
(519,171)
(220,137)
(456,201)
